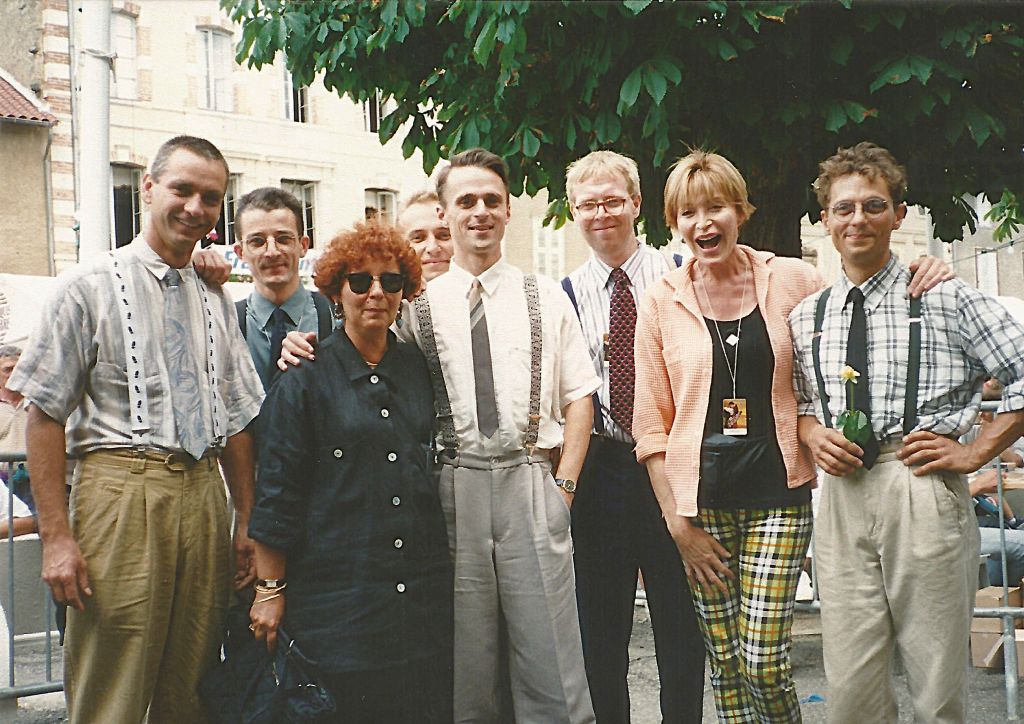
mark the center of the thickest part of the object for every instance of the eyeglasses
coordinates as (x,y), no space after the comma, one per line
(871,207)
(612,206)
(283,241)
(360,282)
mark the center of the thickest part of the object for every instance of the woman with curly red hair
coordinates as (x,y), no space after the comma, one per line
(351,548)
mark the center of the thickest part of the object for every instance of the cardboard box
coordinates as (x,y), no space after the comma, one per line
(987,650)
(992,597)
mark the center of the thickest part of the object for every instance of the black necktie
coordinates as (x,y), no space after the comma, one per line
(277,333)
(857,357)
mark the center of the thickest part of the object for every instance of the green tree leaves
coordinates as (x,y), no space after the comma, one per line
(773,86)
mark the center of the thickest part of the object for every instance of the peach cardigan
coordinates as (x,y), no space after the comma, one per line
(673,370)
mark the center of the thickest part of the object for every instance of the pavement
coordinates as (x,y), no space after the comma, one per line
(987,689)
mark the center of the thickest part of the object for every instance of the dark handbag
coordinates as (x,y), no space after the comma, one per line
(252,686)
(727,461)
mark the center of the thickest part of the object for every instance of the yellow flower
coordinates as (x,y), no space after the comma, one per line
(849,374)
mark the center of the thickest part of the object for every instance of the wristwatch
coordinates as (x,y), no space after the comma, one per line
(270,582)
(567,485)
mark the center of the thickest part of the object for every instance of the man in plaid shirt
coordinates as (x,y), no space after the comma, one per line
(896,541)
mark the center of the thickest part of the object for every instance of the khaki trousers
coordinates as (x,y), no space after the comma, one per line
(157,546)
(897,564)
(508,530)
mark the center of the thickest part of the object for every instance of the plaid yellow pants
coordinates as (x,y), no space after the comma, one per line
(747,631)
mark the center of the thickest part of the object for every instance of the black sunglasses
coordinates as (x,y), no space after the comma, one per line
(360,282)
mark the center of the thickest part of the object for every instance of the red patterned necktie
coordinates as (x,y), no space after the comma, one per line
(621,370)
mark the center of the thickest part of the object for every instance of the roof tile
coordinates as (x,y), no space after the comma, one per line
(14,104)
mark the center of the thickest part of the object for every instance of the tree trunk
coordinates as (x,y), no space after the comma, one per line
(779,192)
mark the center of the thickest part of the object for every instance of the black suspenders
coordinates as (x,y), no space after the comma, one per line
(913,361)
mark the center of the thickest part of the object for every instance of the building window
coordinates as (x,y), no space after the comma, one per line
(122,41)
(548,249)
(373,111)
(225,229)
(127,180)
(380,204)
(215,70)
(296,100)
(304,191)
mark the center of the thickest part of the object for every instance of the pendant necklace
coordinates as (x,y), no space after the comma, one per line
(734,409)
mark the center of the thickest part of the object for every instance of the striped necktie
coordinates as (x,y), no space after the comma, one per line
(483,375)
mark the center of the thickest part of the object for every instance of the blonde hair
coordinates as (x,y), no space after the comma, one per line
(602,164)
(704,175)
(424,196)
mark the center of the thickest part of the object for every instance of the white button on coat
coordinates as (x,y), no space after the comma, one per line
(400,588)
(384,412)
(338,452)
(392,457)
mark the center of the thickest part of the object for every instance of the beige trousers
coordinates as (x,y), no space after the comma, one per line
(508,530)
(157,546)
(897,564)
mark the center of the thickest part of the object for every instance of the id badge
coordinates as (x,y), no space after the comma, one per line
(734,416)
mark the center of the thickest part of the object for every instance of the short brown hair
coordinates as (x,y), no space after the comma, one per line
(478,157)
(704,174)
(268,198)
(353,247)
(193,144)
(867,159)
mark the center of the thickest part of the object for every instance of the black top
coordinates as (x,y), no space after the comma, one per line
(744,471)
(345,488)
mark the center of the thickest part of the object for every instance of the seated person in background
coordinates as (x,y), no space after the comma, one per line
(983,489)
(19,518)
(988,528)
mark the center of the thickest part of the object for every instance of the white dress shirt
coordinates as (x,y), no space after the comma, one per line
(567,374)
(593,287)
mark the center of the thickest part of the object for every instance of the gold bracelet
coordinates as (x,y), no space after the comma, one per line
(271,597)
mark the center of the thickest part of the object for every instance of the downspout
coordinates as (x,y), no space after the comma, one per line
(74,126)
(51,246)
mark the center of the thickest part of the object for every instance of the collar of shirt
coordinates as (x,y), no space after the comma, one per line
(875,289)
(153,262)
(631,266)
(356,367)
(262,307)
(490,279)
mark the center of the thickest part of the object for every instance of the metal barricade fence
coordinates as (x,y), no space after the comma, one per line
(1006,613)
(27,622)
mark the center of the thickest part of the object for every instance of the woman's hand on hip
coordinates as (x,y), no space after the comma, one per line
(704,558)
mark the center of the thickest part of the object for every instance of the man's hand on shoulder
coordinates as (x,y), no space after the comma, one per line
(927,272)
(211,266)
(296,347)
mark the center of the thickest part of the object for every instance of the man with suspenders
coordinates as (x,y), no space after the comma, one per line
(896,543)
(617,524)
(146,361)
(509,364)
(269,238)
